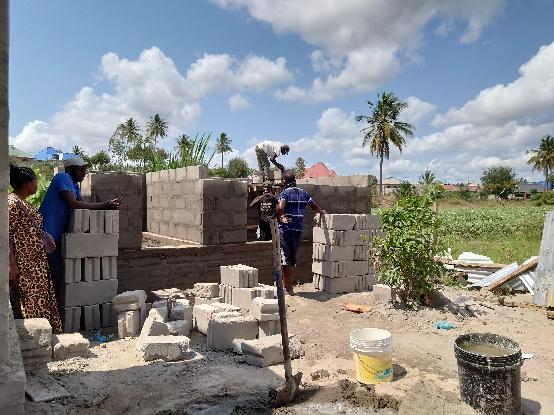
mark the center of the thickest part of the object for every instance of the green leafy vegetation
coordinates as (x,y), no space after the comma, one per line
(499,181)
(236,168)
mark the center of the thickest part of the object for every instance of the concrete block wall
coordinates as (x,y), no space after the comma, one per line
(89,251)
(358,180)
(100,186)
(183,204)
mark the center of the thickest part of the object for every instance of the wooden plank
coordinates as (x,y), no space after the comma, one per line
(522,269)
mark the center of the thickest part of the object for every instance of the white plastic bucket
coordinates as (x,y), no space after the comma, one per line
(372,355)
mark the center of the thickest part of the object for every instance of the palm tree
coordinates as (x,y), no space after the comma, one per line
(384,128)
(183,144)
(156,127)
(223,145)
(427,178)
(543,158)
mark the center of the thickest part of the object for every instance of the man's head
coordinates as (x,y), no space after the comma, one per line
(76,167)
(289,179)
(267,187)
(285,149)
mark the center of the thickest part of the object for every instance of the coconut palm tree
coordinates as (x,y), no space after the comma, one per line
(384,129)
(427,178)
(223,145)
(156,127)
(543,158)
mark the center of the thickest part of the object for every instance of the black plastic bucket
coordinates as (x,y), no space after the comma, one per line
(491,385)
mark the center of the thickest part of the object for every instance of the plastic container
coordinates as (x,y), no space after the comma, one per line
(490,384)
(372,355)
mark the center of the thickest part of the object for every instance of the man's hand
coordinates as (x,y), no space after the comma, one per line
(112,204)
(13,271)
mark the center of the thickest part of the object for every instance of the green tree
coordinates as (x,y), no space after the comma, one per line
(127,143)
(300,167)
(156,127)
(184,143)
(427,178)
(237,168)
(223,146)
(464,192)
(79,151)
(100,160)
(499,181)
(543,159)
(405,189)
(384,128)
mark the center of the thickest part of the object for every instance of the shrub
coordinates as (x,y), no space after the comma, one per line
(405,255)
(546,198)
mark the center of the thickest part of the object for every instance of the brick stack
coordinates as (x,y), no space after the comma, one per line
(89,251)
(341,263)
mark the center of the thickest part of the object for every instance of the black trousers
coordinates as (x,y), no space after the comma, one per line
(55,266)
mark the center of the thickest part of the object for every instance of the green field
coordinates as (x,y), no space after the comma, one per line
(505,233)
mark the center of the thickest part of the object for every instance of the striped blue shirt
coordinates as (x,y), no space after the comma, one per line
(296,200)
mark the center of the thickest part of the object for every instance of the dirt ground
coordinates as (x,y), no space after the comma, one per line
(113,380)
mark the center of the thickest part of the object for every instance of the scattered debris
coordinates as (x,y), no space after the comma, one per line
(355,308)
(444,325)
(319,374)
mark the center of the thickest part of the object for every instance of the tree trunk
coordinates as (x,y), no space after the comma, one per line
(381,176)
(222,159)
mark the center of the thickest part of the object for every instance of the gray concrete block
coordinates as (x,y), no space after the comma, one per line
(128,324)
(93,228)
(83,245)
(337,222)
(356,237)
(333,253)
(197,172)
(72,270)
(181,310)
(109,267)
(179,327)
(129,300)
(92,317)
(111,221)
(382,294)
(242,297)
(41,355)
(167,348)
(34,333)
(223,328)
(336,285)
(66,346)
(88,293)
(107,315)
(153,327)
(264,316)
(265,306)
(361,253)
(78,221)
(144,310)
(266,291)
(239,276)
(12,381)
(158,313)
(202,314)
(206,290)
(86,269)
(72,321)
(327,236)
(95,269)
(268,351)
(269,328)
(352,268)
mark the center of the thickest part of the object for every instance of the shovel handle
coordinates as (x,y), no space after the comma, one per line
(281,299)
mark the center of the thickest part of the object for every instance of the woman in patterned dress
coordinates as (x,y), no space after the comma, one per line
(31,289)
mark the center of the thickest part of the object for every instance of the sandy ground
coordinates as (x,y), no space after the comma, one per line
(113,380)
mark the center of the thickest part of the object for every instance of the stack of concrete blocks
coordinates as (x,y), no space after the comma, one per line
(341,262)
(89,251)
(183,203)
(102,186)
(39,345)
(131,310)
(268,351)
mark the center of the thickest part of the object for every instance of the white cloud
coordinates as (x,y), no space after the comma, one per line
(238,102)
(361,39)
(416,110)
(526,97)
(148,85)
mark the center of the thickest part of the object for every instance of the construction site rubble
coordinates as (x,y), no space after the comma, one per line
(341,263)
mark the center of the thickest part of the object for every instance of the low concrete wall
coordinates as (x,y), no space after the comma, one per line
(99,187)
(158,268)
(358,180)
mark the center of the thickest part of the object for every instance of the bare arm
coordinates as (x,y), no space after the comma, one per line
(73,203)
(276,163)
(316,207)
(280,210)
(12,265)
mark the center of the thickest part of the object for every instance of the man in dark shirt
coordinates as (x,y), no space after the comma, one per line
(290,214)
(266,202)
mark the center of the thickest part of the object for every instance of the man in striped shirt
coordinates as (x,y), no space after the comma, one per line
(290,214)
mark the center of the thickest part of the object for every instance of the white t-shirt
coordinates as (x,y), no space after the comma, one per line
(270,147)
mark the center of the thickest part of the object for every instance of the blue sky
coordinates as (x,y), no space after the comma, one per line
(477,76)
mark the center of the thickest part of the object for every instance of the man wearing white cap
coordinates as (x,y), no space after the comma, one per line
(62,195)
(268,151)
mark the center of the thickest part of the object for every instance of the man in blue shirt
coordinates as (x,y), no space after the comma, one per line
(62,195)
(290,214)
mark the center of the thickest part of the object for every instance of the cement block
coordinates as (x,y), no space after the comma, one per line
(167,348)
(361,253)
(66,346)
(268,351)
(239,276)
(265,306)
(128,324)
(87,293)
(223,328)
(327,236)
(34,333)
(96,269)
(41,355)
(72,321)
(153,327)
(336,285)
(109,267)
(83,245)
(264,316)
(333,253)
(352,268)
(196,172)
(357,237)
(179,327)
(129,300)
(72,270)
(78,221)
(269,328)
(337,222)
(158,313)
(206,290)
(242,297)
(382,294)
(181,310)
(92,317)
(107,315)
(266,291)
(202,314)
(144,310)
(111,221)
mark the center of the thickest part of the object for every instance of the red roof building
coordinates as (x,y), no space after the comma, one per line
(318,170)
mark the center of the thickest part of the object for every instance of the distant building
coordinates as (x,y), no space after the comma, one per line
(390,184)
(50,153)
(525,190)
(317,171)
(20,157)
(472,187)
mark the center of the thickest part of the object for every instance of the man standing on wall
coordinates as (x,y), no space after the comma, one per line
(268,151)
(266,202)
(62,195)
(290,214)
